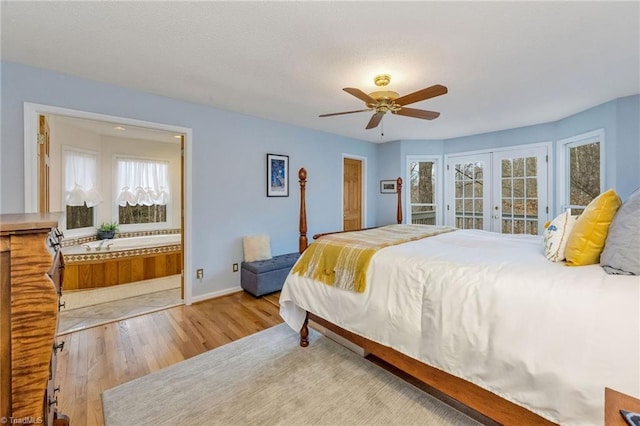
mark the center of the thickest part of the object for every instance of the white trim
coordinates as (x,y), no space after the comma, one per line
(363,219)
(504,148)
(31,113)
(439,199)
(597,135)
(215,294)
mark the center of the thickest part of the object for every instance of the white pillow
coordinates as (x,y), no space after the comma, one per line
(256,247)
(556,236)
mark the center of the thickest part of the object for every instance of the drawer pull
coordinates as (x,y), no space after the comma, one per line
(61,305)
(56,390)
(53,402)
(58,347)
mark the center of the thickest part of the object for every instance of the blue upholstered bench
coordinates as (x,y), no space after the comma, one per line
(266,276)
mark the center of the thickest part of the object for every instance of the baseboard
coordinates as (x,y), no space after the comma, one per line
(213,294)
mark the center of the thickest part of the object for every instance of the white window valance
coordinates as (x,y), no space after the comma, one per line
(80,171)
(142,182)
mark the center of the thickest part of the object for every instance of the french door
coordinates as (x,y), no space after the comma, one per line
(502,191)
(469,191)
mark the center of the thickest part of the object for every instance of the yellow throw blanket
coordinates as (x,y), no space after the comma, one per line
(341,260)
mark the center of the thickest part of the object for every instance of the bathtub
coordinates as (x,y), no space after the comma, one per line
(119,244)
(107,263)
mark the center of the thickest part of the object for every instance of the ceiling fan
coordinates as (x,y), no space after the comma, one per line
(383,101)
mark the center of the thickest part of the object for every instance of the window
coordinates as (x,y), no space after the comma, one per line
(143,187)
(580,170)
(423,190)
(81,194)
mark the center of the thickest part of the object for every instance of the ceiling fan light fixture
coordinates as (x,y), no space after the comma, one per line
(382,80)
(384,95)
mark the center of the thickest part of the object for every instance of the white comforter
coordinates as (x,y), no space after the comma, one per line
(490,308)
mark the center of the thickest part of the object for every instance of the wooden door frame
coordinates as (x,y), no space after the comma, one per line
(31,125)
(363,219)
(44,158)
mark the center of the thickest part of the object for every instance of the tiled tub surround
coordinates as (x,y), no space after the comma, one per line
(68,242)
(121,260)
(118,247)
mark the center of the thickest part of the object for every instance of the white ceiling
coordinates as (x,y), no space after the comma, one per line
(117,130)
(506,64)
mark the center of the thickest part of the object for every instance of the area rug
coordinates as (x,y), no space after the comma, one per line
(268,379)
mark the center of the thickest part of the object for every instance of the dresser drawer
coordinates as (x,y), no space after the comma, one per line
(32,277)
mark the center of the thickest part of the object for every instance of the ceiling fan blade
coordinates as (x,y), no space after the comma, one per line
(341,113)
(360,95)
(418,113)
(375,120)
(421,95)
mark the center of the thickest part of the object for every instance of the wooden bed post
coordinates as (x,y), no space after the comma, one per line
(302,240)
(304,332)
(399,191)
(302,245)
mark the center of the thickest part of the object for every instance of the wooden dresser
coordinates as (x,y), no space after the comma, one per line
(31,268)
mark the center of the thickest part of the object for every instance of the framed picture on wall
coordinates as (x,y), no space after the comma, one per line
(388,187)
(277,175)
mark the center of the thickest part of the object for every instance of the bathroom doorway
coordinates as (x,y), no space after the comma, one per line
(116,134)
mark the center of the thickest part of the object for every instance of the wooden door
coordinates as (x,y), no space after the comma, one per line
(182,215)
(43,165)
(352,194)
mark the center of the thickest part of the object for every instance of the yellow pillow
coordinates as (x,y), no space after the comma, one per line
(589,234)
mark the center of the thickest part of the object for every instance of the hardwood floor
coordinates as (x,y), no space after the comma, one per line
(102,357)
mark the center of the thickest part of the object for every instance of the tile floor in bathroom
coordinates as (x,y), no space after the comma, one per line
(91,316)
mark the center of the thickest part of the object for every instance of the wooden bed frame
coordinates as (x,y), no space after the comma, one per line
(455,390)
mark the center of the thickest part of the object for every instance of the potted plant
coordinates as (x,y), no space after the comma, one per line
(107,230)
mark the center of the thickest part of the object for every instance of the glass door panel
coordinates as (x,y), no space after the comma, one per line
(521,184)
(469,180)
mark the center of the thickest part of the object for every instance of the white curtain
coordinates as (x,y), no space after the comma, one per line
(80,171)
(142,182)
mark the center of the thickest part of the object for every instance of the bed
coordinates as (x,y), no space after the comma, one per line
(487,320)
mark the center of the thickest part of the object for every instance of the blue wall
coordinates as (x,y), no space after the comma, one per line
(620,119)
(229,166)
(229,155)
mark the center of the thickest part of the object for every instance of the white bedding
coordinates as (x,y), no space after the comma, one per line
(490,308)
